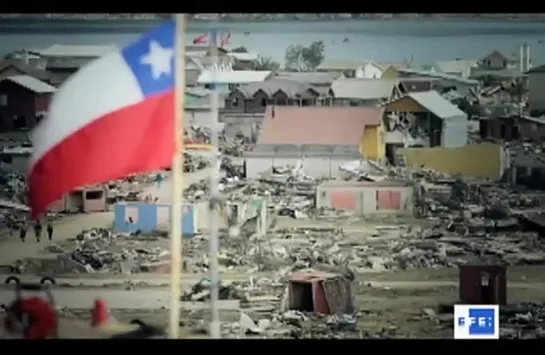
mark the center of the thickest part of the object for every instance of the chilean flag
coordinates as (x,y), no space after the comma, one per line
(201,39)
(226,39)
(113,118)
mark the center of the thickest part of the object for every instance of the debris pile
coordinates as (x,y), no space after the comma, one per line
(101,251)
(13,184)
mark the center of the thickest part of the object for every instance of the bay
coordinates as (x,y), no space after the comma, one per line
(421,41)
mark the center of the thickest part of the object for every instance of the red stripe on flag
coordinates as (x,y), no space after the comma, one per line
(134,139)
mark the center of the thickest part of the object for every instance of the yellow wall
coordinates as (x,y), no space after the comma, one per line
(477,160)
(372,144)
(391,72)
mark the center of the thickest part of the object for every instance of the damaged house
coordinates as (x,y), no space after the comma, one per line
(424,119)
(321,138)
(321,82)
(23,102)
(512,128)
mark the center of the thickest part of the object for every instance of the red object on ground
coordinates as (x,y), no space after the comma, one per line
(40,315)
(100,313)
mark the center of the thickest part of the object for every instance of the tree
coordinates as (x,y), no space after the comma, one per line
(266,63)
(240,49)
(301,58)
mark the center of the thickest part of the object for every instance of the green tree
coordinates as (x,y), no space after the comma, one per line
(266,63)
(301,58)
(240,49)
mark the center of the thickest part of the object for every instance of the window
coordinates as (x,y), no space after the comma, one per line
(263,102)
(234,102)
(93,195)
(19,122)
(3,100)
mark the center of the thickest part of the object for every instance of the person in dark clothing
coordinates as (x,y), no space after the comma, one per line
(22,233)
(49,231)
(38,230)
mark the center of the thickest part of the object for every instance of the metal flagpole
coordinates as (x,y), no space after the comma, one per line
(215,331)
(177,178)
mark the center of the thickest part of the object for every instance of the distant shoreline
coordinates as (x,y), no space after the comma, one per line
(146,18)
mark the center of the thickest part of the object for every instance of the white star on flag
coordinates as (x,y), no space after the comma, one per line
(159,59)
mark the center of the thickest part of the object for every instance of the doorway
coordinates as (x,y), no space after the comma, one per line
(302,296)
(489,294)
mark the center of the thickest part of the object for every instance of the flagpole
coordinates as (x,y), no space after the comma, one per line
(215,331)
(177,178)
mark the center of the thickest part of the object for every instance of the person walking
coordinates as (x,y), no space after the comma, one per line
(159,178)
(49,231)
(22,232)
(38,230)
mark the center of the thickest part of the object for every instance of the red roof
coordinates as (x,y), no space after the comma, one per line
(317,124)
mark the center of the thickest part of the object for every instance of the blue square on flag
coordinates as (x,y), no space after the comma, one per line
(483,321)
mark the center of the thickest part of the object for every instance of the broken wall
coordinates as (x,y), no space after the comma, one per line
(484,160)
(245,210)
(149,217)
(366,198)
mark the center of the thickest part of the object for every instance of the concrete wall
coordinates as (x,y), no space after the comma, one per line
(318,160)
(149,217)
(454,133)
(477,160)
(366,196)
(98,204)
(536,95)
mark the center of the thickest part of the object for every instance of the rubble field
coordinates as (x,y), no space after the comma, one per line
(382,312)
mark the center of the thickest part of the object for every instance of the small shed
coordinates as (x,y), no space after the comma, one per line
(366,198)
(147,217)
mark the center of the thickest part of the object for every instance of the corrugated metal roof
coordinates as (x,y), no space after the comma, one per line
(436,104)
(364,88)
(340,64)
(25,68)
(317,125)
(292,89)
(538,69)
(64,50)
(438,75)
(316,78)
(502,73)
(246,57)
(234,77)
(461,66)
(32,84)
